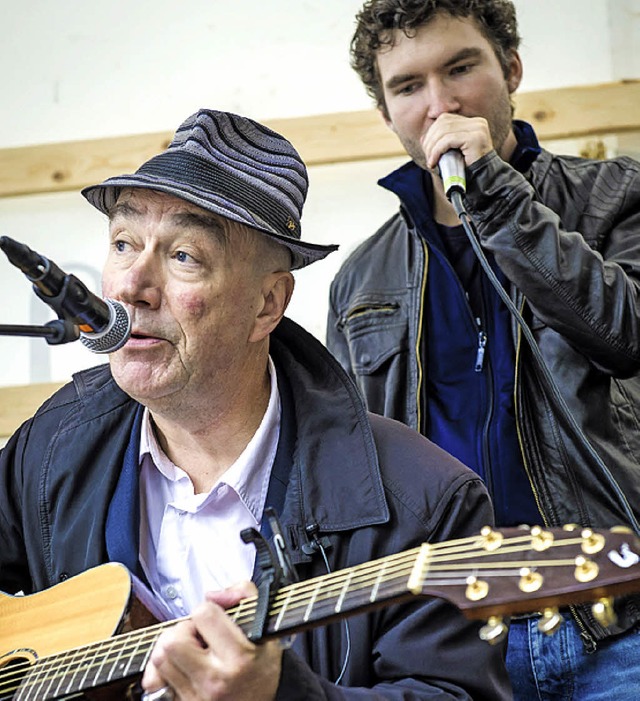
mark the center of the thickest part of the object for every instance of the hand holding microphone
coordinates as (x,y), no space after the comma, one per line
(451,166)
(446,140)
(105,325)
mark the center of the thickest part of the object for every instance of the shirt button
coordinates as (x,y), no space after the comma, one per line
(171,592)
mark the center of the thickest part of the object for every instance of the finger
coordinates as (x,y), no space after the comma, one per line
(198,649)
(233,595)
(222,635)
(210,657)
(169,659)
(470,135)
(151,678)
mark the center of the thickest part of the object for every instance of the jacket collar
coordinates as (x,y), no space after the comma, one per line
(335,482)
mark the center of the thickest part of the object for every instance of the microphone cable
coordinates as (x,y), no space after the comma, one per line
(317,545)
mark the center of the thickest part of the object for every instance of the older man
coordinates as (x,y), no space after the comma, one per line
(216,408)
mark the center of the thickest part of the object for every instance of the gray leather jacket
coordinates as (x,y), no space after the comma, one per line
(567,237)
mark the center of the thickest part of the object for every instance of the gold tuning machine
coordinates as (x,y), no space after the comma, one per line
(477,589)
(550,621)
(540,539)
(603,612)
(494,630)
(592,542)
(491,540)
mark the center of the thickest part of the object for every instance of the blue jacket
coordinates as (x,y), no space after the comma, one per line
(370,485)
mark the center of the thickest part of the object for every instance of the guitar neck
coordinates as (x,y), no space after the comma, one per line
(493,573)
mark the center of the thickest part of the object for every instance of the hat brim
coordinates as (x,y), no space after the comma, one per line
(104,196)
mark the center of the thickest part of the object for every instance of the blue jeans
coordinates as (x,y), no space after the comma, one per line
(557,668)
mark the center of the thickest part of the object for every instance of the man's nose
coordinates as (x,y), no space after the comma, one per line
(441,100)
(141,284)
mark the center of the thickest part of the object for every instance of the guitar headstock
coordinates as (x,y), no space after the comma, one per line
(519,570)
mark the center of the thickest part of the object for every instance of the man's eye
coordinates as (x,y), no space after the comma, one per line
(465,68)
(183,257)
(407,89)
(119,246)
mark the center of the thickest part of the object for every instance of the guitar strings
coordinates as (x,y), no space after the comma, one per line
(363,572)
(388,570)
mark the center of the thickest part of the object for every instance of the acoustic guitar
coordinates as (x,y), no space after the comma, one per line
(77,639)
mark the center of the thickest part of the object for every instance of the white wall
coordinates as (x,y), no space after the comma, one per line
(76,70)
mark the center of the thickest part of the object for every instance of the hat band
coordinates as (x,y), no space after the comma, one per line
(182,168)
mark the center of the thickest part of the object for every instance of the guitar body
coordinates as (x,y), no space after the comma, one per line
(83,610)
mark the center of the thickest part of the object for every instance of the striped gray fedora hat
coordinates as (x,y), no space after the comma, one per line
(234,167)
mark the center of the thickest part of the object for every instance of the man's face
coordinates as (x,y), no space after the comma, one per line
(448,66)
(192,297)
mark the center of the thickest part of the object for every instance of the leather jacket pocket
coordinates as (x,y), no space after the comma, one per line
(377,334)
(376,330)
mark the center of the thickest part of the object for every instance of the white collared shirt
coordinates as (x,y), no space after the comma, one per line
(190,543)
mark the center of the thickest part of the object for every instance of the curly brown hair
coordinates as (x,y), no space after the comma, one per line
(378,19)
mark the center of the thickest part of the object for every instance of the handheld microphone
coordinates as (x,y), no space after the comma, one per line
(105,325)
(451,165)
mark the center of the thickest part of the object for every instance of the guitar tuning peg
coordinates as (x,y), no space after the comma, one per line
(494,630)
(476,589)
(603,612)
(541,539)
(550,621)
(492,540)
(621,529)
(586,570)
(592,543)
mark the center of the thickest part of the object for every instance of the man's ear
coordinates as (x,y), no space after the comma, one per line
(276,292)
(514,76)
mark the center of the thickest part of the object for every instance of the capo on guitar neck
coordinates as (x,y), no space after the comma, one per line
(276,571)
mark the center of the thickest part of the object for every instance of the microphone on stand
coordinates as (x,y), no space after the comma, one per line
(105,325)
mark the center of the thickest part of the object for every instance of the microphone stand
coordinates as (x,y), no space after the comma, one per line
(55,332)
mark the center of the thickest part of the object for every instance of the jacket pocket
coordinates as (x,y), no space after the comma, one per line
(377,333)
(376,330)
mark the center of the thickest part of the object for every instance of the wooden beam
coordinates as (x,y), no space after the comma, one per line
(562,113)
(18,403)
(578,112)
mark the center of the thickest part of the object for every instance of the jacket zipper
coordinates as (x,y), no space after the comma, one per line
(365,310)
(488,416)
(516,385)
(482,344)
